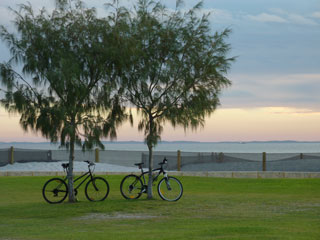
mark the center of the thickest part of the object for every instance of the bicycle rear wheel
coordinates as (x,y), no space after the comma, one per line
(131,187)
(170,189)
(97,189)
(55,190)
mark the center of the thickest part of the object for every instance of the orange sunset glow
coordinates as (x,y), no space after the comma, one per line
(226,124)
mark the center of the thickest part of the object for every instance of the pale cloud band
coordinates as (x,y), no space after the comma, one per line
(284,17)
(293,91)
(316,14)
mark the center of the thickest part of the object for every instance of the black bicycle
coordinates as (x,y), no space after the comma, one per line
(55,190)
(169,188)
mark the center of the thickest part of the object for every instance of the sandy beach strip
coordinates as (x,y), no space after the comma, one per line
(56,167)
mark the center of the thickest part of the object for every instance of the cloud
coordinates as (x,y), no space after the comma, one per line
(298,111)
(265,17)
(221,15)
(316,15)
(298,19)
(5,16)
(292,90)
(281,16)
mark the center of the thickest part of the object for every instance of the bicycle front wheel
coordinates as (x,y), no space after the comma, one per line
(97,189)
(170,189)
(131,187)
(55,190)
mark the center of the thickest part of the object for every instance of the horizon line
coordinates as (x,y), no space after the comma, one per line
(177,141)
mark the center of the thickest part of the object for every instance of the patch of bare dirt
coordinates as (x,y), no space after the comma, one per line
(103,216)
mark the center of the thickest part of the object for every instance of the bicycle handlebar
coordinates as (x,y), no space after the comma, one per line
(164,161)
(89,163)
(66,165)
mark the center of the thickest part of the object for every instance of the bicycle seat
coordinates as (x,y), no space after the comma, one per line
(139,165)
(65,165)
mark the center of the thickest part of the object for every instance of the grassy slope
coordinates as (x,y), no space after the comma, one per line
(210,209)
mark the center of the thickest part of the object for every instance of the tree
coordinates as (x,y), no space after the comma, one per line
(62,76)
(175,69)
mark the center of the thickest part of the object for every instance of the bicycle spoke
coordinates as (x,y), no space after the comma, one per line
(55,190)
(170,189)
(97,189)
(131,187)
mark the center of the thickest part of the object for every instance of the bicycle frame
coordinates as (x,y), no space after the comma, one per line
(161,171)
(87,174)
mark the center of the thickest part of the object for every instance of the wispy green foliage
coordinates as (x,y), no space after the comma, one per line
(175,69)
(62,74)
(69,58)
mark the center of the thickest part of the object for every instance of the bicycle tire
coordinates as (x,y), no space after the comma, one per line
(97,189)
(131,187)
(170,189)
(55,190)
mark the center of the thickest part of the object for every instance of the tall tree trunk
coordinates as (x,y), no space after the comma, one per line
(71,159)
(150,195)
(150,147)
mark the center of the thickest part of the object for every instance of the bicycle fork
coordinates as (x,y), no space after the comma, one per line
(94,184)
(167,182)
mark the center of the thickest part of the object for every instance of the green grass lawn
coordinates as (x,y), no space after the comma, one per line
(210,208)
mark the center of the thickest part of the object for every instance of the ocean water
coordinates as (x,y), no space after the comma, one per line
(231,147)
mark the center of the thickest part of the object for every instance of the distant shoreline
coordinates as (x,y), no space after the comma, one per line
(187,146)
(179,142)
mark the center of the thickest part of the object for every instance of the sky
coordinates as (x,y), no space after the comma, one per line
(275,79)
